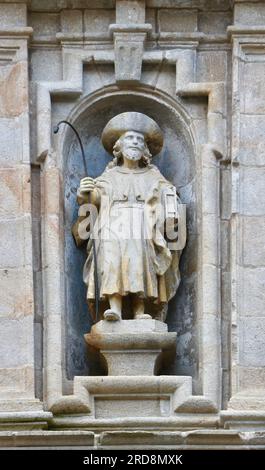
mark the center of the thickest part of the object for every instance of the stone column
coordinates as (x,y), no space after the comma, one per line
(17,310)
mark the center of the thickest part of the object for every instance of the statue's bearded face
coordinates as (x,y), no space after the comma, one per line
(132,145)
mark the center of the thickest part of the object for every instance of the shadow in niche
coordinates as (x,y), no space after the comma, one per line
(176,162)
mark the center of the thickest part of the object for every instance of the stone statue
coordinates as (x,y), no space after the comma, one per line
(139,231)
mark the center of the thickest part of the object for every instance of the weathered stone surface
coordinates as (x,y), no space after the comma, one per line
(130,11)
(16,382)
(98,21)
(14,98)
(13,15)
(249,14)
(40,65)
(212,67)
(251,378)
(44,25)
(71,21)
(13,252)
(177,20)
(16,344)
(252,143)
(194,313)
(252,341)
(214,22)
(16,293)
(252,193)
(253,253)
(253,292)
(253,93)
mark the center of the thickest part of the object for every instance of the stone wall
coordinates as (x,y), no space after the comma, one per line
(197,67)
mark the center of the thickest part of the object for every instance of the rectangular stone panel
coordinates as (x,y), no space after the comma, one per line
(15,247)
(11,196)
(252,141)
(253,240)
(177,21)
(253,92)
(72,21)
(220,5)
(13,15)
(98,21)
(211,66)
(44,25)
(252,191)
(131,407)
(251,378)
(16,298)
(40,64)
(130,10)
(252,341)
(16,381)
(9,146)
(213,22)
(16,342)
(252,298)
(251,14)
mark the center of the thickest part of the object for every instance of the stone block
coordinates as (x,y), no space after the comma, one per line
(40,65)
(197,107)
(13,16)
(51,188)
(211,66)
(252,191)
(95,78)
(253,236)
(71,21)
(214,22)
(13,248)
(16,298)
(225,193)
(253,92)
(226,301)
(163,78)
(210,191)
(225,244)
(16,382)
(14,91)
(16,342)
(251,378)
(252,142)
(252,300)
(98,21)
(252,341)
(111,408)
(131,347)
(177,21)
(210,239)
(45,25)
(210,290)
(150,17)
(200,130)
(9,146)
(11,196)
(130,11)
(250,14)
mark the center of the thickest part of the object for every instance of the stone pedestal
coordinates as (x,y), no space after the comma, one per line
(132,347)
(133,350)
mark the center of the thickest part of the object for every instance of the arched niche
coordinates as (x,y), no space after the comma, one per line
(177,163)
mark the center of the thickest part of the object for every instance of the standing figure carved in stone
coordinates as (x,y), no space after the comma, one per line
(140,229)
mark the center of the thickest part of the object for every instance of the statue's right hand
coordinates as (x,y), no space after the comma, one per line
(87,185)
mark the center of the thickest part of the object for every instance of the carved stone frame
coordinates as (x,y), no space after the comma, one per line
(207,156)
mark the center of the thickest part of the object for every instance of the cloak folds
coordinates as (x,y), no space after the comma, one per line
(133,253)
